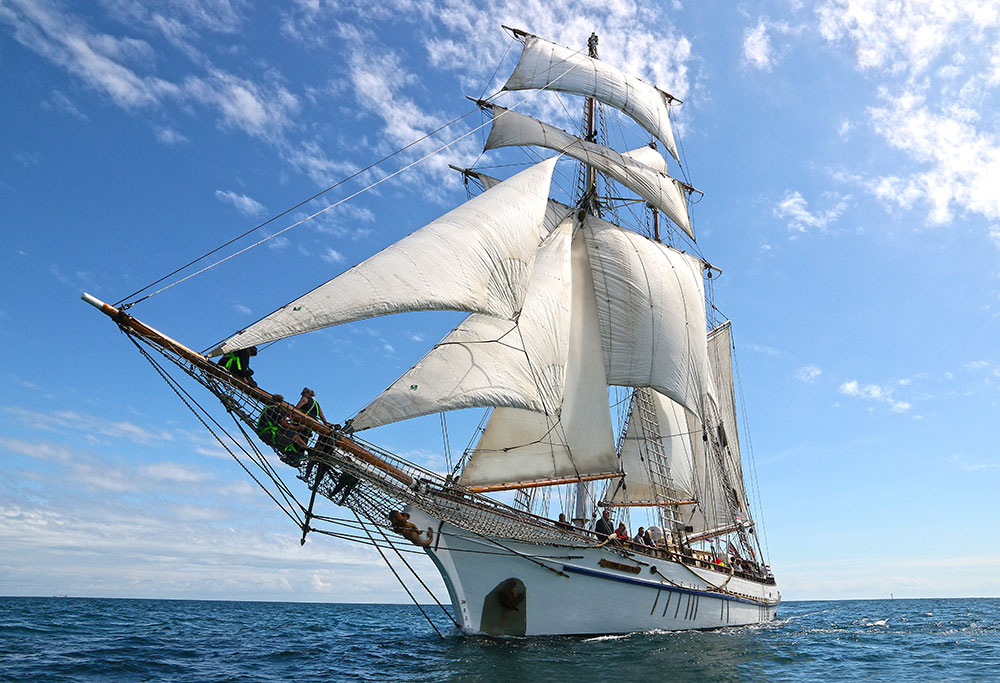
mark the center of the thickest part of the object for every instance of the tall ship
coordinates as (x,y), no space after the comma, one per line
(603,366)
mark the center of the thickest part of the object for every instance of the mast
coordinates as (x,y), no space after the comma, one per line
(581,513)
(590,133)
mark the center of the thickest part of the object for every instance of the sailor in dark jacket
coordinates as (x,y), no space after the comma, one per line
(605,528)
(238,364)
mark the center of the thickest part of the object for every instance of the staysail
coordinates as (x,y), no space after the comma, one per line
(476,258)
(553,67)
(652,184)
(488,361)
(720,346)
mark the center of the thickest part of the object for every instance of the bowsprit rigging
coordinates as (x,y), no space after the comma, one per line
(564,308)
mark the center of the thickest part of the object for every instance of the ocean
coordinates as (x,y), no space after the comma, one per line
(91,639)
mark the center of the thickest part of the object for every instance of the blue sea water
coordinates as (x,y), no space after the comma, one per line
(85,639)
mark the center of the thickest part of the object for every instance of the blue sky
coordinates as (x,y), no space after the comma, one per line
(849,155)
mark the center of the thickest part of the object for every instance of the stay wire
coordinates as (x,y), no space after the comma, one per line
(287,211)
(181,393)
(338,203)
(416,575)
(398,577)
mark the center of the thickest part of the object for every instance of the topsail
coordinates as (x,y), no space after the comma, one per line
(554,67)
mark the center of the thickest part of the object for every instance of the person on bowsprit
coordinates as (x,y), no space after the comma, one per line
(309,405)
(237,363)
(275,430)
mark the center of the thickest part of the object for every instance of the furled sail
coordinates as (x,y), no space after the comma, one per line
(554,67)
(663,192)
(476,258)
(669,427)
(720,359)
(520,446)
(651,305)
(488,361)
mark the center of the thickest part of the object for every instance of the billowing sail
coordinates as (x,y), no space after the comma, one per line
(555,212)
(488,361)
(660,190)
(666,425)
(651,305)
(720,359)
(554,67)
(522,446)
(476,258)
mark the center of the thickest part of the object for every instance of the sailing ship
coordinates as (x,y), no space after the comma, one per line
(606,374)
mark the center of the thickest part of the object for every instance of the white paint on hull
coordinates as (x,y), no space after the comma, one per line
(568,592)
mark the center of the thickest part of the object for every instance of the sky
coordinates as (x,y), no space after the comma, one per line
(850,158)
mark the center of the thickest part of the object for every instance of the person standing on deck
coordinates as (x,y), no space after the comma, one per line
(605,528)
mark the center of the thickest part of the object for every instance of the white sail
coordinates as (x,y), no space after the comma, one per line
(476,258)
(651,305)
(677,452)
(488,361)
(522,446)
(554,67)
(720,359)
(555,212)
(659,189)
(649,157)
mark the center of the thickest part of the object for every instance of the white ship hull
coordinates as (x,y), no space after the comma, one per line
(563,590)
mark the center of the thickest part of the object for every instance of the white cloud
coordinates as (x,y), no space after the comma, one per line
(169,136)
(877,394)
(244,204)
(794,209)
(906,37)
(99,60)
(941,63)
(961,463)
(58,100)
(173,472)
(757,50)
(808,374)
(260,111)
(332,256)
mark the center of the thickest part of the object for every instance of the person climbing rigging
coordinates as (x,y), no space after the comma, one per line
(237,363)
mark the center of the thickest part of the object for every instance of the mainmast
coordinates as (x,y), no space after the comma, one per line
(590,132)
(588,201)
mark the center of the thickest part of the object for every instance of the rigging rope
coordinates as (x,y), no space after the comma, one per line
(338,203)
(182,393)
(398,578)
